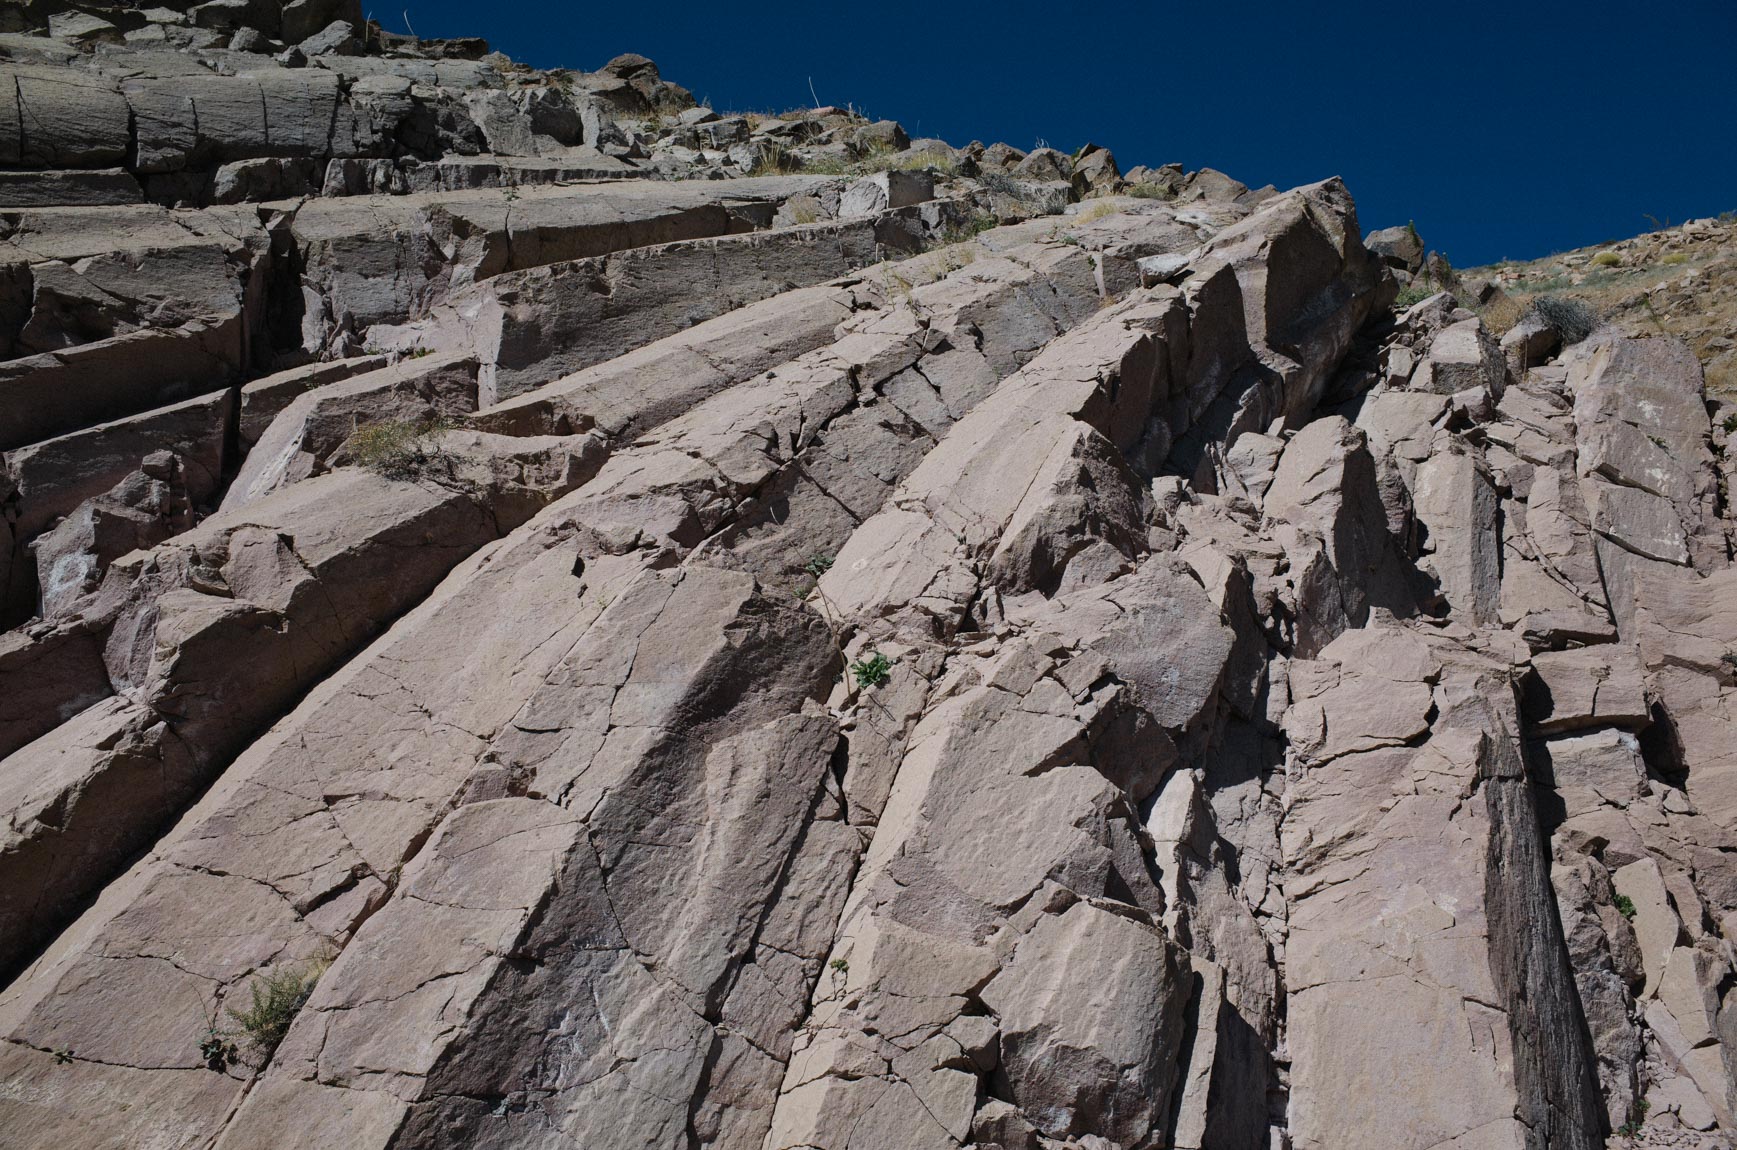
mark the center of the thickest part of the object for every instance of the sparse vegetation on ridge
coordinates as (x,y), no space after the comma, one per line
(1573,319)
(396,448)
(1676,281)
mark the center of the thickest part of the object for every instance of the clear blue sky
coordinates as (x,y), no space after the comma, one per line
(1503,129)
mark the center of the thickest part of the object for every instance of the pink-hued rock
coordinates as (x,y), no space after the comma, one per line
(525,632)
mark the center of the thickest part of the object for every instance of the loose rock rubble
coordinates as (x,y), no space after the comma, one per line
(544,614)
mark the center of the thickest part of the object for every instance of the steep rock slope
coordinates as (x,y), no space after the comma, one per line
(544,615)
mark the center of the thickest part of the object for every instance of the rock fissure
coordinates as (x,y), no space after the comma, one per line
(719,660)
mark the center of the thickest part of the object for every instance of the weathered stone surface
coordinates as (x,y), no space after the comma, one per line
(66,120)
(1456,506)
(1588,687)
(686,899)
(52,394)
(299,441)
(883,190)
(533,326)
(141,510)
(47,683)
(1687,627)
(1326,485)
(1605,961)
(58,188)
(632,391)
(730,432)
(263,399)
(1262,339)
(215,633)
(930,922)
(1643,436)
(47,480)
(1463,357)
(1398,247)
(670,656)
(212,635)
(1450,930)
(367,263)
(1091,1011)
(1588,770)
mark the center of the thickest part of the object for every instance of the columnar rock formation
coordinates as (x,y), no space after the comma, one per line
(543,615)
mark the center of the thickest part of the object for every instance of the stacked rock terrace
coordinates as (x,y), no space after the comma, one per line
(682,630)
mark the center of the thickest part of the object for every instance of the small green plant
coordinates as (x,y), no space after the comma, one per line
(943,165)
(1625,906)
(1606,260)
(62,1057)
(896,284)
(276,998)
(873,671)
(774,159)
(819,564)
(1653,315)
(1729,423)
(511,194)
(1632,1128)
(1675,259)
(1729,659)
(1096,212)
(217,1050)
(396,448)
(825,164)
(1547,284)
(1412,294)
(839,965)
(952,257)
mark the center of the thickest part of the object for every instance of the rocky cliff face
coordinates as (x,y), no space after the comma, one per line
(544,615)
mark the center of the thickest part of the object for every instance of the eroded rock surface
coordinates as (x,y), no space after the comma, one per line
(545,615)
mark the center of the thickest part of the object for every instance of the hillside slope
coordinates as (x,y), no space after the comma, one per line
(543,615)
(1678,281)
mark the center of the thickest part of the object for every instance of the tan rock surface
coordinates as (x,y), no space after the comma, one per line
(542,614)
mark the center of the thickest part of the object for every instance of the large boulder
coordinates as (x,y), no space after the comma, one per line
(1399,248)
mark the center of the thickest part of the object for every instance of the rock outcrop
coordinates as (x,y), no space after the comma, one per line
(543,614)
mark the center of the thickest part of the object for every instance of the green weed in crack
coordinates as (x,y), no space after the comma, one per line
(872,671)
(274,999)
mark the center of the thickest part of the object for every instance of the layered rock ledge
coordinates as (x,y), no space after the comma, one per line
(541,614)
